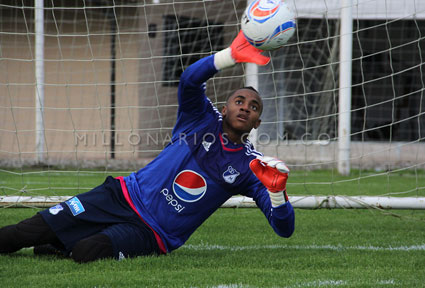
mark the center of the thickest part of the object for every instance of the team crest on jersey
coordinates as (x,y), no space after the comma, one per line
(189,186)
(55,209)
(230,175)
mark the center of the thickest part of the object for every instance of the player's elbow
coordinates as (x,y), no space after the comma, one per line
(285,227)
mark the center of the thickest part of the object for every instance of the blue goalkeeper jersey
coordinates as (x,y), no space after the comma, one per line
(198,170)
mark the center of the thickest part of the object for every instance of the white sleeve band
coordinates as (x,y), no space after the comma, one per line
(277,198)
(223,59)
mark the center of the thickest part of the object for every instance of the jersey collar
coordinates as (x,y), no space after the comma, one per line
(225,148)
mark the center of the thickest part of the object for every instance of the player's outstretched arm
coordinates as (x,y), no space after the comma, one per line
(191,92)
(273,173)
(240,51)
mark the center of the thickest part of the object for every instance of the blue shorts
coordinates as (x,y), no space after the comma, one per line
(102,210)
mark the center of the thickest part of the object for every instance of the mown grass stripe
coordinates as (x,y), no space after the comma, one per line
(200,247)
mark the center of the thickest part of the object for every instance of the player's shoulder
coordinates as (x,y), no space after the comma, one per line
(250,150)
(213,110)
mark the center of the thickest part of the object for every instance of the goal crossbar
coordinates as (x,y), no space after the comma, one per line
(304,202)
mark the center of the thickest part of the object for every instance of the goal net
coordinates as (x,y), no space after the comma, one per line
(88,89)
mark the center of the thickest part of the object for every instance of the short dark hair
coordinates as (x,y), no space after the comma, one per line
(246,87)
(251,88)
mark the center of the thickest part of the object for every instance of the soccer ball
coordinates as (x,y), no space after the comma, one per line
(268,24)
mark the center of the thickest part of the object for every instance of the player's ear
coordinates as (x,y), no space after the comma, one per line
(224,110)
(257,123)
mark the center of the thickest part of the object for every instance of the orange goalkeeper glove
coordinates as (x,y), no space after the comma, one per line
(240,51)
(273,173)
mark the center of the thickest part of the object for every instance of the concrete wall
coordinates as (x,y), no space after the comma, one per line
(78,82)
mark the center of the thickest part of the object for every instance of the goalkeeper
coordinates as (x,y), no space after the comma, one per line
(156,209)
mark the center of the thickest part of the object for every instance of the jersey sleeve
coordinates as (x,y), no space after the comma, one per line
(194,106)
(282,218)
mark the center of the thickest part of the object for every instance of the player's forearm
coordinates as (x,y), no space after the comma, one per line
(283,220)
(191,93)
(198,73)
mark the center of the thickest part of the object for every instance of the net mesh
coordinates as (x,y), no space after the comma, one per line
(111,70)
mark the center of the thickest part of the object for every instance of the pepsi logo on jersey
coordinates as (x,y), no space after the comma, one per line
(171,201)
(189,186)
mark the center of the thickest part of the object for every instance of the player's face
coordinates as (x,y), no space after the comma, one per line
(242,111)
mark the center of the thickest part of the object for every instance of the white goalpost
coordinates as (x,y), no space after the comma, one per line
(344,108)
(89,88)
(39,79)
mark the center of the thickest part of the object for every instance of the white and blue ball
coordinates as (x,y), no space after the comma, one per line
(268,24)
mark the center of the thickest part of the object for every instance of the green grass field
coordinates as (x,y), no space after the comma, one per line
(409,182)
(237,248)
